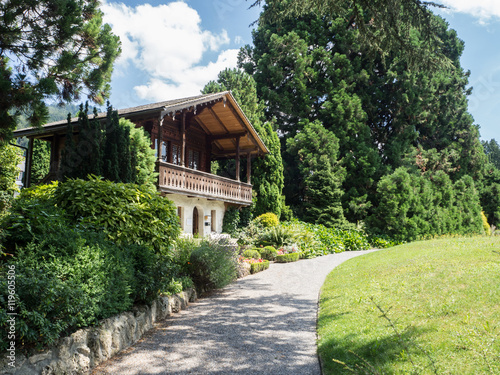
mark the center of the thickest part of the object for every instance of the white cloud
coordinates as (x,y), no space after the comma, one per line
(482,9)
(168,44)
(192,81)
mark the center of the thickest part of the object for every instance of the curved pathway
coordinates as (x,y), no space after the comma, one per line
(261,324)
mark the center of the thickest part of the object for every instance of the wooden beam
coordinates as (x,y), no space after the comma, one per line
(212,112)
(183,139)
(224,154)
(228,136)
(159,140)
(249,168)
(238,159)
(208,156)
(29,161)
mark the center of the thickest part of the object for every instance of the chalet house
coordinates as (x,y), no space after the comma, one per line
(187,135)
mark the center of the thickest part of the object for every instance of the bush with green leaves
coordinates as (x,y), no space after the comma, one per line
(252,253)
(72,268)
(214,264)
(259,266)
(268,252)
(287,258)
(10,157)
(267,220)
(127,213)
(231,220)
(72,278)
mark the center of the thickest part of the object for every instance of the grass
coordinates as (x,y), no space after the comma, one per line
(441,296)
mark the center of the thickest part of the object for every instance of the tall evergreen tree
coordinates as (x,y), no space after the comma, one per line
(318,186)
(111,159)
(317,67)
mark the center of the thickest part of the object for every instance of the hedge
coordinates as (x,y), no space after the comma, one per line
(286,258)
(260,266)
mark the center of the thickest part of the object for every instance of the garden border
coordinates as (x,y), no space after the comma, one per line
(83,350)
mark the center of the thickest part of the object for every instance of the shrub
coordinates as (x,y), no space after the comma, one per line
(71,279)
(286,258)
(486,226)
(214,264)
(252,253)
(127,213)
(259,266)
(277,236)
(267,220)
(268,253)
(354,240)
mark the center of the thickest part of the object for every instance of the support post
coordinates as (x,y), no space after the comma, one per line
(208,156)
(249,168)
(237,158)
(29,161)
(183,139)
(159,140)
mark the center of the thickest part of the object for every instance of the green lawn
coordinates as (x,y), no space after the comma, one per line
(443,296)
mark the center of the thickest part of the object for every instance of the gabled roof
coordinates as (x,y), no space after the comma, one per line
(218,114)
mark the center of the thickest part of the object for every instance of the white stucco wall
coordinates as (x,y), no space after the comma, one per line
(204,207)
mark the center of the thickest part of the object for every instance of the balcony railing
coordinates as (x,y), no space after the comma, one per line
(176,179)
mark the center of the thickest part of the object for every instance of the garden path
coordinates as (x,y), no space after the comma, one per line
(262,324)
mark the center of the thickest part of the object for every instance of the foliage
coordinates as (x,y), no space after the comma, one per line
(287,258)
(143,155)
(456,327)
(231,220)
(50,51)
(117,151)
(127,213)
(68,272)
(214,264)
(492,151)
(258,265)
(252,253)
(68,278)
(414,206)
(267,220)
(392,28)
(268,252)
(316,69)
(320,175)
(10,157)
(41,160)
(486,226)
(490,194)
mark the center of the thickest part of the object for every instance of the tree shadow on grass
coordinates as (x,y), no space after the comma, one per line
(376,356)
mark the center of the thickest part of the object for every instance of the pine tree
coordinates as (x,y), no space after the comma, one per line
(318,187)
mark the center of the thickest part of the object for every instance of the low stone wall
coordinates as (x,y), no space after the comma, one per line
(88,347)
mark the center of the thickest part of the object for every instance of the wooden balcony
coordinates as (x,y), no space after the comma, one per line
(181,180)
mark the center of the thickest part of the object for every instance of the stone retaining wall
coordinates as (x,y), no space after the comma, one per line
(86,348)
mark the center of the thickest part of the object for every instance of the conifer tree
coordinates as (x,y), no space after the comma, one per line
(318,187)
(111,160)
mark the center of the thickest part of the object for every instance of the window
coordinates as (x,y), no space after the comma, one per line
(194,159)
(164,151)
(176,154)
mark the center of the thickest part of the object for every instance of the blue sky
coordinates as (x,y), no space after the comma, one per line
(171,49)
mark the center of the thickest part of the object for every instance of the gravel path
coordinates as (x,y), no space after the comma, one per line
(261,324)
